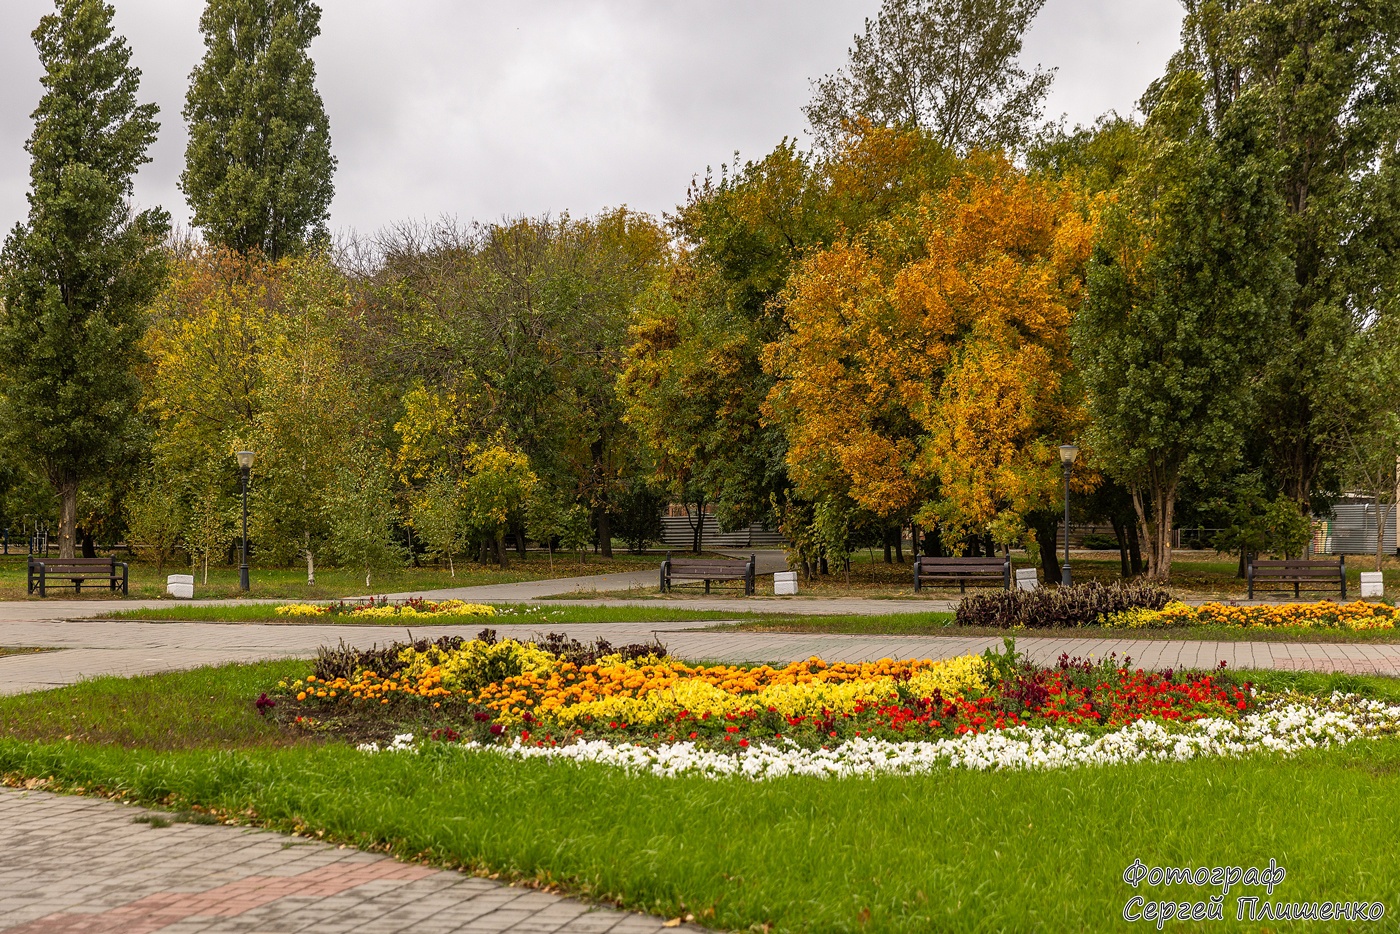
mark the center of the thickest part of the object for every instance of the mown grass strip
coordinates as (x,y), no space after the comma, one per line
(535,615)
(948,851)
(941,624)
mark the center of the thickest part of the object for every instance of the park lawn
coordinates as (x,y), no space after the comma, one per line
(553,614)
(332,583)
(952,850)
(1196,574)
(941,624)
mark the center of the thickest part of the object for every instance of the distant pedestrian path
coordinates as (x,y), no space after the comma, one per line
(97,647)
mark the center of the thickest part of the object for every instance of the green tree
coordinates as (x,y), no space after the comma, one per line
(1368,452)
(155,519)
(209,525)
(1181,289)
(520,330)
(307,407)
(361,514)
(495,492)
(1325,76)
(438,518)
(75,277)
(258,165)
(948,67)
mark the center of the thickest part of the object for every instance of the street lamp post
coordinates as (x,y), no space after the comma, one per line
(1068,453)
(245,467)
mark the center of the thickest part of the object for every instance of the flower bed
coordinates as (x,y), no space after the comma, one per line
(413,608)
(1280,728)
(560,692)
(1058,607)
(1355,616)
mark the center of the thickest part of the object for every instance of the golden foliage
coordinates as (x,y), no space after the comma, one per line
(927,369)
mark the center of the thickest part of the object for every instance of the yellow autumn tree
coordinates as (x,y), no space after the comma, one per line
(927,369)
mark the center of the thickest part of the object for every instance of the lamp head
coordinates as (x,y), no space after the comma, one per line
(1068,453)
(245,460)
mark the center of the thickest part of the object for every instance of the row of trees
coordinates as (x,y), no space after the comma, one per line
(893,330)
(902,326)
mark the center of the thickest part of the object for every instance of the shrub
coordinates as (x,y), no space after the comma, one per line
(1057,608)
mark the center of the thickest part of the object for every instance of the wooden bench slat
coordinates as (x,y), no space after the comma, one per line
(708,569)
(1317,575)
(962,570)
(75,571)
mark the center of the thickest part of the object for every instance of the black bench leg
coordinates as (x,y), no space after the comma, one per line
(43,591)
(707,585)
(1296,594)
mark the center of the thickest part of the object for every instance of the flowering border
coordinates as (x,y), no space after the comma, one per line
(1284,727)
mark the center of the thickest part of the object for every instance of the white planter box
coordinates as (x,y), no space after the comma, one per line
(180,586)
(1372,584)
(1027,579)
(785,583)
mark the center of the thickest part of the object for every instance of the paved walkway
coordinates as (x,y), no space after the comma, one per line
(71,865)
(643,580)
(96,647)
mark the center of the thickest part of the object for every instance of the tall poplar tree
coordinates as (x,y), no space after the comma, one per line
(75,276)
(1186,279)
(258,165)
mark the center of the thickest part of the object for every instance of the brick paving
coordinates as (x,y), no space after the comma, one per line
(96,647)
(72,865)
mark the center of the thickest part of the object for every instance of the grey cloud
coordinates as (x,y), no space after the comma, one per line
(483,109)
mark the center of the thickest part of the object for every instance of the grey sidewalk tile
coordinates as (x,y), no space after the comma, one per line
(85,857)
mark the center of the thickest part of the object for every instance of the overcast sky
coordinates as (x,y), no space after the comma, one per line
(483,110)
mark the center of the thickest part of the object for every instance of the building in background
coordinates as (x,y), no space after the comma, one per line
(1351,529)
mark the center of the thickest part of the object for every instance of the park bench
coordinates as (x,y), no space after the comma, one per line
(938,570)
(708,569)
(46,572)
(1301,573)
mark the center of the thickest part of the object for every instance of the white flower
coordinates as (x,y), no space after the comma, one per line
(1281,727)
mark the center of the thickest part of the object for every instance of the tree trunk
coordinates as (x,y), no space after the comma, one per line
(500,544)
(1134,549)
(1155,519)
(1047,526)
(1381,512)
(899,544)
(605,530)
(310,568)
(697,525)
(1121,535)
(520,540)
(67,487)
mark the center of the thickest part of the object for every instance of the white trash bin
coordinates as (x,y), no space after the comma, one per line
(180,586)
(1372,584)
(785,583)
(1027,579)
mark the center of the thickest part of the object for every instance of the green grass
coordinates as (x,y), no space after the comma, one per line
(910,624)
(290,583)
(548,614)
(954,850)
(21,650)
